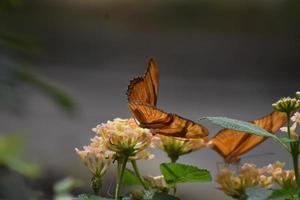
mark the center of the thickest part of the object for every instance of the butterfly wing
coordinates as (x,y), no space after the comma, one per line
(145,89)
(232,144)
(165,123)
(226,141)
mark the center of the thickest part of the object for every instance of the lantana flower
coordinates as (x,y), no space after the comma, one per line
(229,183)
(284,178)
(97,159)
(287,105)
(176,146)
(296,118)
(294,129)
(96,156)
(125,137)
(128,141)
(235,185)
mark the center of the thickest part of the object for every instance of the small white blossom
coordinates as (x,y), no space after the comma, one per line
(96,156)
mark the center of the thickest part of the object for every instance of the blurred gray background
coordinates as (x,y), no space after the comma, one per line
(216,58)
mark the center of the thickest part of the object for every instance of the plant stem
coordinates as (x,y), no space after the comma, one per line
(173,157)
(289,126)
(137,172)
(174,160)
(294,151)
(296,168)
(121,168)
(174,190)
(96,183)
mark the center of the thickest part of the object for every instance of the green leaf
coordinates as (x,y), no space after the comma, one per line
(10,145)
(63,197)
(243,126)
(90,197)
(10,155)
(238,125)
(181,173)
(282,193)
(28,169)
(20,43)
(49,89)
(130,178)
(9,5)
(66,185)
(288,140)
(257,193)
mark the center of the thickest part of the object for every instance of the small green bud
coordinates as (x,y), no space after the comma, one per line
(287,105)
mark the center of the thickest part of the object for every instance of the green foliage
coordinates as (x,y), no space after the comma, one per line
(63,188)
(18,74)
(257,193)
(90,197)
(288,140)
(284,193)
(66,185)
(180,173)
(10,156)
(7,5)
(243,126)
(64,197)
(53,92)
(238,125)
(19,43)
(130,178)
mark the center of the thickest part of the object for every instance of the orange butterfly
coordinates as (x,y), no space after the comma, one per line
(232,144)
(142,97)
